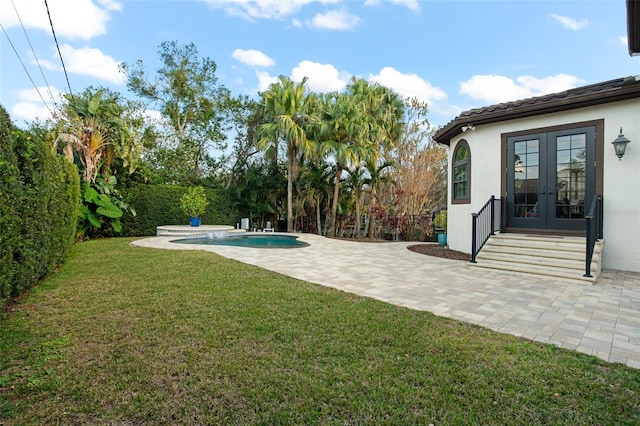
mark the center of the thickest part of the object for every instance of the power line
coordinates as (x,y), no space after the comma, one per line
(59,53)
(34,54)
(25,69)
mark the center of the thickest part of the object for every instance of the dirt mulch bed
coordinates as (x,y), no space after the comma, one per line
(439,251)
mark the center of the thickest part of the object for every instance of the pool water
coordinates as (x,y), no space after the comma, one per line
(255,241)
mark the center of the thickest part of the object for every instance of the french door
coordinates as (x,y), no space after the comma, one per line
(550,178)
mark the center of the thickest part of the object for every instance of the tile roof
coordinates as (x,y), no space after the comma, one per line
(594,94)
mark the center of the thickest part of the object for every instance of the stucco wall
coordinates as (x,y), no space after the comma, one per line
(621,192)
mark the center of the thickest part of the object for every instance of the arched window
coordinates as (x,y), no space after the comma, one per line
(460,192)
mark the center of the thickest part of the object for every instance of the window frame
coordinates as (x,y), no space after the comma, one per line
(462,143)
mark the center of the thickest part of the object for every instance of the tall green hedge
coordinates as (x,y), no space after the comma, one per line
(158,205)
(10,195)
(39,192)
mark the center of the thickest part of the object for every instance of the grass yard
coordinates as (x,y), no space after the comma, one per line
(133,336)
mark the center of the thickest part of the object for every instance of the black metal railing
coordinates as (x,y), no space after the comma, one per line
(484,224)
(593,222)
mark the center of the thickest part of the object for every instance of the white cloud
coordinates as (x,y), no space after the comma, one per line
(571,23)
(296,23)
(265,80)
(253,58)
(265,9)
(410,4)
(153,115)
(408,85)
(323,78)
(111,5)
(493,89)
(78,19)
(552,84)
(31,95)
(30,105)
(53,65)
(30,111)
(339,20)
(623,41)
(497,88)
(91,62)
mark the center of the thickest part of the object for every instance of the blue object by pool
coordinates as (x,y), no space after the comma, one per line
(256,241)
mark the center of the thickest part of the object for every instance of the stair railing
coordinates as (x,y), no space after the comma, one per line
(593,222)
(483,225)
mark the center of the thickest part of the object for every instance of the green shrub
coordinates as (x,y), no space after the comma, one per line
(194,202)
(39,193)
(101,204)
(10,198)
(441,221)
(158,205)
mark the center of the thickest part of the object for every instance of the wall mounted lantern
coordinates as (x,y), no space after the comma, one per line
(620,145)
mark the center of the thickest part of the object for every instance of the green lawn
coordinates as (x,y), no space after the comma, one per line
(128,336)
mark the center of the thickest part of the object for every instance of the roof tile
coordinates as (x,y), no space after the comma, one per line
(608,91)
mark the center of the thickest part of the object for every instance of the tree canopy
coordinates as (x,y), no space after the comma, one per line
(358,162)
(193,104)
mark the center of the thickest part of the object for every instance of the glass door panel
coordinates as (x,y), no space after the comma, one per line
(526,174)
(573,175)
(571,157)
(550,176)
(524,183)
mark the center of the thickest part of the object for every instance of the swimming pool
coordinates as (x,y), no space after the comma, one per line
(255,241)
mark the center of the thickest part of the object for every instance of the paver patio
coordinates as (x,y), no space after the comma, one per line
(602,319)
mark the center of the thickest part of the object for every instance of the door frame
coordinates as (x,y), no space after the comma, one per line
(599,158)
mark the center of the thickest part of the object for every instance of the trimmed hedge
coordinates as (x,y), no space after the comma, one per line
(39,192)
(158,205)
(10,194)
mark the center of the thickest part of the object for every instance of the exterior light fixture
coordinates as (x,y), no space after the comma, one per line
(620,145)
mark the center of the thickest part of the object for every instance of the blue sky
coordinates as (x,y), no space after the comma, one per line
(456,55)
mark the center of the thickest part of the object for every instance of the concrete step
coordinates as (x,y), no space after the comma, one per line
(558,256)
(576,244)
(534,252)
(196,231)
(540,259)
(538,270)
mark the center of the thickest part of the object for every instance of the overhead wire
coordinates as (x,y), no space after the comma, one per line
(34,54)
(25,68)
(59,53)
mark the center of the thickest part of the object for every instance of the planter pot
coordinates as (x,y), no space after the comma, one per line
(194,221)
(442,239)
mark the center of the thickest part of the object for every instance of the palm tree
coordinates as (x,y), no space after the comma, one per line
(358,178)
(287,108)
(94,130)
(338,132)
(94,134)
(378,177)
(315,185)
(356,126)
(382,109)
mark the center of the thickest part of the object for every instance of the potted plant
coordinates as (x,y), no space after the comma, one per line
(440,222)
(193,203)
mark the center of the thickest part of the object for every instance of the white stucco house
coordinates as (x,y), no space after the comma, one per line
(545,159)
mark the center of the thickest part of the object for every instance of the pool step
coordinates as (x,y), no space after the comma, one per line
(197,231)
